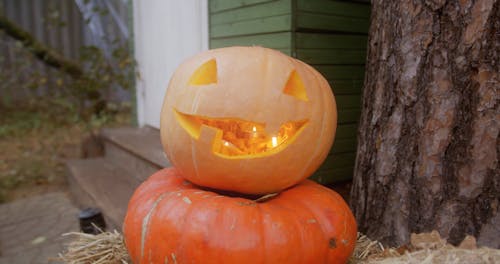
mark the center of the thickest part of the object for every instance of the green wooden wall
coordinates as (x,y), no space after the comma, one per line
(329,35)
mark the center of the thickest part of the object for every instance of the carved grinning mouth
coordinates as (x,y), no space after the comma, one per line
(238,138)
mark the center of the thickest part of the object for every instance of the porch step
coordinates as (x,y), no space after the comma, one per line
(136,150)
(97,183)
(108,182)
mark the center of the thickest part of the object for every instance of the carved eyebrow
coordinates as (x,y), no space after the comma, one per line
(205,74)
(295,87)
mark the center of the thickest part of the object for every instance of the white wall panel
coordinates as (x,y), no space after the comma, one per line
(165,33)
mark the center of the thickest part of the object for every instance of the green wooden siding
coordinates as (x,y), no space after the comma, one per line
(255,26)
(280,40)
(335,56)
(254,12)
(348,116)
(346,86)
(222,5)
(328,23)
(334,8)
(330,41)
(330,35)
(341,72)
(341,160)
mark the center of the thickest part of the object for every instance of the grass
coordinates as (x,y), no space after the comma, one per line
(35,139)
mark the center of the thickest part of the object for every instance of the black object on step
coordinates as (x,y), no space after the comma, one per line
(91,221)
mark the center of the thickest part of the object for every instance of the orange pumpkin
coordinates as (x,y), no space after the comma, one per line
(170,220)
(247,119)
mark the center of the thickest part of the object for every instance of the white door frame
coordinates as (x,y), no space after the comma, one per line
(166,32)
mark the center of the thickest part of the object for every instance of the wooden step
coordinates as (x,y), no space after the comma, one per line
(98,183)
(136,150)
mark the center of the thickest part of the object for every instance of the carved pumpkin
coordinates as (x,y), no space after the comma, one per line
(170,220)
(247,119)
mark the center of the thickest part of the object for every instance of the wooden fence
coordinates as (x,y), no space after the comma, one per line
(59,24)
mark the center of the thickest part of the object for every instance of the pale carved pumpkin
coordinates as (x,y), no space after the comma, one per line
(170,220)
(247,119)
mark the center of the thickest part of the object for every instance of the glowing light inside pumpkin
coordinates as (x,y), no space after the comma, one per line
(237,138)
(274,141)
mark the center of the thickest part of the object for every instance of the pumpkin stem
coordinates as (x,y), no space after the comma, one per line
(265,197)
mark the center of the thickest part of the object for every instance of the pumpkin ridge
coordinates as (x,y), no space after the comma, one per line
(301,233)
(145,221)
(308,190)
(336,201)
(323,124)
(181,248)
(194,159)
(262,234)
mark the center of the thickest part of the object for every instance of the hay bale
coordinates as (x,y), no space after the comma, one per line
(447,254)
(428,248)
(104,248)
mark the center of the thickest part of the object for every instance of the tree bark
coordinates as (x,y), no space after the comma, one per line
(42,52)
(428,137)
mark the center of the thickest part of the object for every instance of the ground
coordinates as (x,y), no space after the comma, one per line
(35,138)
(31,229)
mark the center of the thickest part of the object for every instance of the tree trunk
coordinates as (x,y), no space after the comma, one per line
(428,136)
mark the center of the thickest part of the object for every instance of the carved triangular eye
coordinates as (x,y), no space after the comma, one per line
(205,74)
(295,87)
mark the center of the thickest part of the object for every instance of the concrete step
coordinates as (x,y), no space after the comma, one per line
(136,150)
(99,183)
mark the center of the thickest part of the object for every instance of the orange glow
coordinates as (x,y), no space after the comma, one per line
(205,74)
(295,87)
(239,138)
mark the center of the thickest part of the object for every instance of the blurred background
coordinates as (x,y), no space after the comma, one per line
(70,68)
(82,84)
(47,107)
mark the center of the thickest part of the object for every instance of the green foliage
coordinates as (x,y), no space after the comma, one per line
(100,78)
(53,17)
(35,116)
(18,77)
